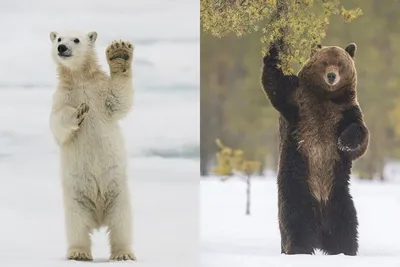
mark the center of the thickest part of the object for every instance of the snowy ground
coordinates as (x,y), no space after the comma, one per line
(162,132)
(229,238)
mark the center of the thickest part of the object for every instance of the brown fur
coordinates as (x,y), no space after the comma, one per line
(319,118)
(317,141)
(322,131)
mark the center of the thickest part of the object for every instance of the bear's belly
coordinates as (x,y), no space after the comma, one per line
(321,160)
(93,195)
(321,155)
(316,136)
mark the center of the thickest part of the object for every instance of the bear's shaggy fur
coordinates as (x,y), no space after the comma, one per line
(321,132)
(87,106)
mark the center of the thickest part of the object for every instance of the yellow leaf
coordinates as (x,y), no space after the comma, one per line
(219,143)
(238,153)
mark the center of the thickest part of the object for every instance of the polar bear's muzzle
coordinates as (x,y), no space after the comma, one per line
(63,51)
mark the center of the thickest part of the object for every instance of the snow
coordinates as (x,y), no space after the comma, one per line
(230,238)
(165,227)
(162,131)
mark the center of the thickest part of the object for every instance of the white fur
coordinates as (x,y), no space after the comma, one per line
(93,156)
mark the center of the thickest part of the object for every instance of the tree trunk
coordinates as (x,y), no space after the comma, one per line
(248,195)
(381,175)
(262,167)
(203,162)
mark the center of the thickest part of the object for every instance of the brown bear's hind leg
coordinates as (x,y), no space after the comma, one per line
(339,233)
(298,224)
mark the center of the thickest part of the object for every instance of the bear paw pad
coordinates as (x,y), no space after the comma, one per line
(119,50)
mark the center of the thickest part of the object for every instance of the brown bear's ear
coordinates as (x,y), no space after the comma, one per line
(351,49)
(315,49)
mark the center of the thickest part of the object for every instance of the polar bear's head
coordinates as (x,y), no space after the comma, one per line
(72,50)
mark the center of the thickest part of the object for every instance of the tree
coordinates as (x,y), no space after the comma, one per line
(230,161)
(300,23)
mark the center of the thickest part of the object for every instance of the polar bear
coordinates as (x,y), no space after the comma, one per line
(87,106)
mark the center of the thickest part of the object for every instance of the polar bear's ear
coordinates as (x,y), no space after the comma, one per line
(53,36)
(92,36)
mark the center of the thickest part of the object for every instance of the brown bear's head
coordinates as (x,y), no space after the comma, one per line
(330,70)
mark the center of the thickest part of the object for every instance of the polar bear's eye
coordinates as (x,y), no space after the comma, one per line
(76,41)
(59,40)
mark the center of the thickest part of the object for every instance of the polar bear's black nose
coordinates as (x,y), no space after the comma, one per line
(62,48)
(331,77)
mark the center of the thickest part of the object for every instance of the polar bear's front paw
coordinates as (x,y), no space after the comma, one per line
(79,255)
(122,256)
(119,56)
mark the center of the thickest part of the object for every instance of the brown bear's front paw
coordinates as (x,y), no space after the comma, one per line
(119,56)
(351,138)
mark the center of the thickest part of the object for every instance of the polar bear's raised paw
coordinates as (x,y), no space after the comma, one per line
(119,56)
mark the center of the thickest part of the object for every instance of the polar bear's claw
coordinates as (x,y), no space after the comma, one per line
(119,56)
(82,109)
(123,256)
(79,255)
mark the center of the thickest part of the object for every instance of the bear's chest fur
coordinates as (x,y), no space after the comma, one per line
(317,141)
(82,93)
(87,92)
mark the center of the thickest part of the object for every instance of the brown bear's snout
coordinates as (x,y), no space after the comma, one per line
(332,75)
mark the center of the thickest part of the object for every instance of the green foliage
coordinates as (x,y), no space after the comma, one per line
(301,23)
(221,17)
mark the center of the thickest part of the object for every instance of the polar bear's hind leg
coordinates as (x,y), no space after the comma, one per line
(78,236)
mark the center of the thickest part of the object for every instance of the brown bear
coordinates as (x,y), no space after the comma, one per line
(322,131)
